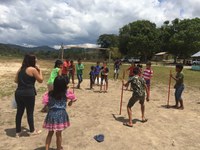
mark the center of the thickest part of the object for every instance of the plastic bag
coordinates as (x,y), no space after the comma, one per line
(14,104)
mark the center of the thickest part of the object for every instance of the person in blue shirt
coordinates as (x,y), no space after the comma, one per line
(92,77)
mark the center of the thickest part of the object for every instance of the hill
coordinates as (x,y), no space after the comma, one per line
(43,48)
(17,50)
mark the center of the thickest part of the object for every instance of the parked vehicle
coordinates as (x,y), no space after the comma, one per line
(196,62)
(130,60)
(124,59)
(133,59)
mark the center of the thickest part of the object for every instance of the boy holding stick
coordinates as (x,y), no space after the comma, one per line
(138,85)
(179,86)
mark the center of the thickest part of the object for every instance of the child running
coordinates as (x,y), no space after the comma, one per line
(138,85)
(147,75)
(97,71)
(57,118)
(92,77)
(79,72)
(104,76)
(179,86)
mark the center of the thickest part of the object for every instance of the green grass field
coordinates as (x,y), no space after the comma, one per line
(161,74)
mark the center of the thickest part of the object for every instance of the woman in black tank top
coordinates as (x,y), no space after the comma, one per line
(25,92)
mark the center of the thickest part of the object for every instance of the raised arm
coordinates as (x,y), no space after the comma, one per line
(37,73)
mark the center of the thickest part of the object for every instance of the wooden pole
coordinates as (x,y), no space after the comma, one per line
(122,92)
(62,52)
(169,89)
(73,87)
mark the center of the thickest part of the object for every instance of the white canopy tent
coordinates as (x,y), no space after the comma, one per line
(196,54)
(196,61)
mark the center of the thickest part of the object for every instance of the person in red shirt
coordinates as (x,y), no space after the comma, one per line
(131,73)
(71,71)
(65,68)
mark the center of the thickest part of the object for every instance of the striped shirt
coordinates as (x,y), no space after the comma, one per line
(147,74)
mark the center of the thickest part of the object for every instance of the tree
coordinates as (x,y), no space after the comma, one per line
(108,40)
(181,38)
(139,38)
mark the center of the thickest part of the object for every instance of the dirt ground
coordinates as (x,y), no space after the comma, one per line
(98,113)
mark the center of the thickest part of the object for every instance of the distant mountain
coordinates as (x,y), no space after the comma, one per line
(43,48)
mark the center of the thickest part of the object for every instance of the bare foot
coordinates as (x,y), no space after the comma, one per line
(127,124)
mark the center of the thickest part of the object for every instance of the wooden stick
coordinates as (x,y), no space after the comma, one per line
(73,87)
(169,89)
(122,92)
(104,85)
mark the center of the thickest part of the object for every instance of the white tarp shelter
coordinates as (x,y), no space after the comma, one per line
(196,61)
(196,54)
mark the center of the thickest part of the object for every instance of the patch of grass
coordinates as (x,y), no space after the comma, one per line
(161,75)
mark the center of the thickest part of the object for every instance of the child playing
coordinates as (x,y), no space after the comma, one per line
(92,77)
(65,68)
(140,69)
(131,74)
(45,98)
(116,68)
(97,71)
(147,75)
(138,85)
(57,118)
(179,86)
(79,72)
(104,76)
(54,73)
(71,71)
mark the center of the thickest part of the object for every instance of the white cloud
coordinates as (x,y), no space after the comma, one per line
(52,22)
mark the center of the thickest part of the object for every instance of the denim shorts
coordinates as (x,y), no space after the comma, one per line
(178,92)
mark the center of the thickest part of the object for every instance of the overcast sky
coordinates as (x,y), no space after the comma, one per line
(52,22)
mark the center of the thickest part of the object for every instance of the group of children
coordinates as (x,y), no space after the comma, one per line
(140,82)
(58,94)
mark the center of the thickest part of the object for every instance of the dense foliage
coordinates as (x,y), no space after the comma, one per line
(143,39)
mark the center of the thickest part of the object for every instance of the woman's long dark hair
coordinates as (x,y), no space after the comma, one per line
(59,88)
(29,61)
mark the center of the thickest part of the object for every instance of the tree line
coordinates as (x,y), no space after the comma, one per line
(143,39)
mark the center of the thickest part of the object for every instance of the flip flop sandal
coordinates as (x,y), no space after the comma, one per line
(145,120)
(99,138)
(127,124)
